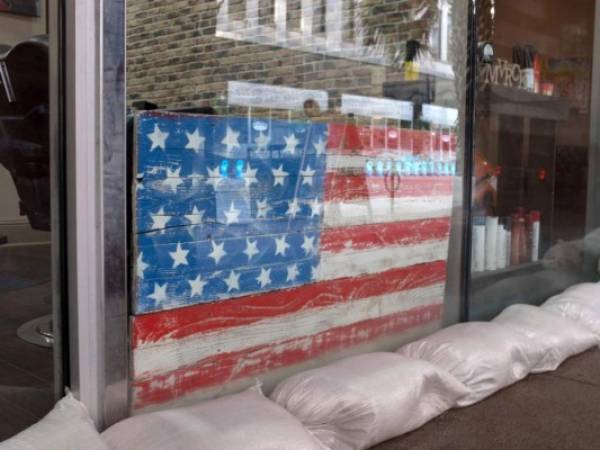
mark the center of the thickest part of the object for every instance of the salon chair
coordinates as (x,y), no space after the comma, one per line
(24,126)
(25,142)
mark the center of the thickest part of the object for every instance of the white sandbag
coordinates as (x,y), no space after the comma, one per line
(244,421)
(590,292)
(485,357)
(557,337)
(360,401)
(67,427)
(577,310)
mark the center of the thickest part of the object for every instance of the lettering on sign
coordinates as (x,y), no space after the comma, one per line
(502,72)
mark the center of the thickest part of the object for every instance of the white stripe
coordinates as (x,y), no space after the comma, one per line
(357,162)
(352,263)
(386,210)
(171,354)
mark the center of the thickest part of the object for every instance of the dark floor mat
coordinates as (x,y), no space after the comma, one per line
(12,282)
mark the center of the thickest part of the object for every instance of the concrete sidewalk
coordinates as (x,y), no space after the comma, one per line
(558,410)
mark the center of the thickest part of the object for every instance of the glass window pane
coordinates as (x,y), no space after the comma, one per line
(27,381)
(534,224)
(298,164)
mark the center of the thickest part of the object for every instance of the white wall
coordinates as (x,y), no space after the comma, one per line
(15,28)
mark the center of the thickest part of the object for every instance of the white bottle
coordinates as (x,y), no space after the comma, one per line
(491,238)
(478,248)
(535,235)
(501,247)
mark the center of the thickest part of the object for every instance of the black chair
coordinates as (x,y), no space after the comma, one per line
(25,144)
(24,126)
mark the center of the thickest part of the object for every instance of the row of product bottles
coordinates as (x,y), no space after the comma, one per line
(500,242)
(533,70)
(410,167)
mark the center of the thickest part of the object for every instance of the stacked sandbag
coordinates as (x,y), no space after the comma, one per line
(364,400)
(557,338)
(485,357)
(589,292)
(245,421)
(580,303)
(67,427)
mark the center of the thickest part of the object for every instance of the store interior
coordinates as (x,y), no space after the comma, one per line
(26,356)
(532,147)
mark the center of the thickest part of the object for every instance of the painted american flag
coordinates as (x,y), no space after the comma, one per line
(262,244)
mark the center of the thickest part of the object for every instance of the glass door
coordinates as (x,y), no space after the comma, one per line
(27,380)
(533,228)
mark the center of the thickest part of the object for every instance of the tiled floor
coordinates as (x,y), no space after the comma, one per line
(26,370)
(553,411)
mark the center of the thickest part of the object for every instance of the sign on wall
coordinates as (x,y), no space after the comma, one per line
(25,7)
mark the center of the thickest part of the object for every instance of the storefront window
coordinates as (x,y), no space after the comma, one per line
(29,332)
(298,167)
(535,221)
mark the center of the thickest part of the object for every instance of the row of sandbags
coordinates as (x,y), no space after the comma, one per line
(357,402)
(361,401)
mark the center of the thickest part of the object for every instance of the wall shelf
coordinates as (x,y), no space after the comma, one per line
(510,101)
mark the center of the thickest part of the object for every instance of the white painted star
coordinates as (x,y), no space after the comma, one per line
(214,176)
(262,208)
(315,208)
(158,138)
(232,215)
(262,142)
(173,179)
(141,266)
(320,146)
(291,142)
(179,256)
(159,220)
(231,139)
(309,245)
(195,218)
(292,272)
(160,293)
(218,251)
(279,175)
(316,272)
(281,246)
(307,175)
(250,175)
(251,249)
(233,281)
(195,141)
(293,208)
(264,279)
(197,286)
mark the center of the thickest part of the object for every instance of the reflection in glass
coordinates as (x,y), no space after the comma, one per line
(532,153)
(26,357)
(346,122)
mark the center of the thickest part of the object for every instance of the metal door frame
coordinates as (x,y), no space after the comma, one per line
(96,200)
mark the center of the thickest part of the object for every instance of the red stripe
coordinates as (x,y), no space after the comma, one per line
(182,322)
(371,140)
(362,237)
(339,187)
(223,368)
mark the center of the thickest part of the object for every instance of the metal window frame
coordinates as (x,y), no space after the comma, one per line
(593,200)
(96,206)
(469,162)
(55,22)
